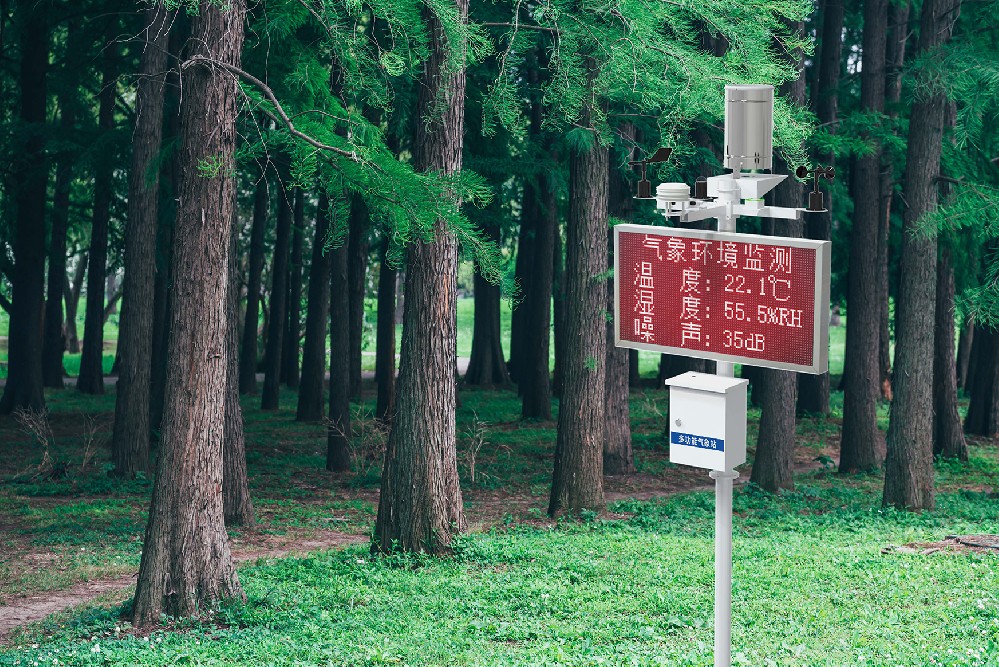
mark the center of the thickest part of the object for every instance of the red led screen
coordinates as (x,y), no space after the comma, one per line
(734,297)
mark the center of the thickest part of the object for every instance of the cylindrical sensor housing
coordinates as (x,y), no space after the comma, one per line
(749,127)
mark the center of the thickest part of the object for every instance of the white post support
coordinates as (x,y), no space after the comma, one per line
(723,565)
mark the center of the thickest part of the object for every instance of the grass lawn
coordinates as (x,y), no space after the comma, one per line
(632,586)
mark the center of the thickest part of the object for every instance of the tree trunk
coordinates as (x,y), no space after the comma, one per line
(54,341)
(357,268)
(420,507)
(251,323)
(948,441)
(385,343)
(909,466)
(861,444)
(91,380)
(558,312)
(236,503)
(964,345)
(338,432)
(130,439)
(187,566)
(279,294)
(618,457)
(773,464)
(30,179)
(73,289)
(487,365)
(983,408)
(634,375)
(292,335)
(310,393)
(535,383)
(523,275)
(577,480)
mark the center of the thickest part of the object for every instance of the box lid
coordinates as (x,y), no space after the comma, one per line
(714,384)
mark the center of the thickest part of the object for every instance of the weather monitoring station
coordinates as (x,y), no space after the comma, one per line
(733,298)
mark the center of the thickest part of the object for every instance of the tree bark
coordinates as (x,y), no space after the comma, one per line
(251,323)
(577,480)
(91,379)
(487,365)
(54,341)
(357,268)
(523,275)
(385,343)
(861,444)
(73,289)
(338,432)
(130,438)
(964,345)
(909,466)
(290,373)
(420,507)
(618,457)
(310,392)
(187,566)
(983,408)
(236,503)
(535,382)
(279,294)
(948,440)
(30,179)
(558,312)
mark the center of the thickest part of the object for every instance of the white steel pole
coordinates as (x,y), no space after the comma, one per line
(723,566)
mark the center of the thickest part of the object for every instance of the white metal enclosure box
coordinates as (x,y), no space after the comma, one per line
(707,421)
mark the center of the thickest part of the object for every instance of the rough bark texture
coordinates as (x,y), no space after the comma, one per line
(487,365)
(983,385)
(236,504)
(130,439)
(420,507)
(618,457)
(91,379)
(909,466)
(290,374)
(248,352)
(338,433)
(385,338)
(279,296)
(187,566)
(310,392)
(862,445)
(778,390)
(357,268)
(948,438)
(24,370)
(577,480)
(54,341)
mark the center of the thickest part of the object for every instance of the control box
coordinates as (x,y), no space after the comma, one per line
(707,421)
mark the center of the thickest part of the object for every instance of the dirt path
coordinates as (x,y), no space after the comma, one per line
(36,607)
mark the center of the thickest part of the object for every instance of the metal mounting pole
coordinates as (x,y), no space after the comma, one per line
(723,565)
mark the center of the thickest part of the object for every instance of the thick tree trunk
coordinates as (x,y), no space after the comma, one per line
(487,365)
(310,392)
(187,566)
(861,444)
(420,507)
(983,385)
(290,374)
(338,432)
(54,341)
(24,370)
(964,344)
(236,503)
(357,268)
(91,380)
(279,295)
(909,466)
(577,480)
(948,440)
(251,323)
(385,338)
(778,390)
(130,439)
(618,457)
(535,383)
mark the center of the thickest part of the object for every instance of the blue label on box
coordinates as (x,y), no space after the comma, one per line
(699,441)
